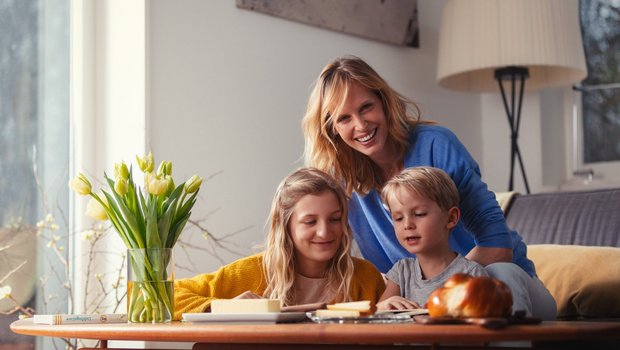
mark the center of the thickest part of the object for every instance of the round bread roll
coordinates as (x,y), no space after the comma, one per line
(466,296)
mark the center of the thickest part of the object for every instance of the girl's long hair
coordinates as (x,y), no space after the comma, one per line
(325,149)
(279,263)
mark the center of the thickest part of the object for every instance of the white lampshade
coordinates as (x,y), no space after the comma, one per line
(479,36)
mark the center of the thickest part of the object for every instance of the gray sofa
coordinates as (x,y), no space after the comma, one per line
(573,239)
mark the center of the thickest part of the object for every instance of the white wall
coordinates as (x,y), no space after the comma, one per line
(222,90)
(228,87)
(496,141)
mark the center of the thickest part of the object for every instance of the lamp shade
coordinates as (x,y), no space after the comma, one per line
(479,36)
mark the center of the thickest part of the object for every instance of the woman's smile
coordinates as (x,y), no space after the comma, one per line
(368,137)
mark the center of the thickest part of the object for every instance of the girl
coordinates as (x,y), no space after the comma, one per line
(361,131)
(307,259)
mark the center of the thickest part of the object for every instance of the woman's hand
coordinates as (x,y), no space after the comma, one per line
(397,303)
(248,295)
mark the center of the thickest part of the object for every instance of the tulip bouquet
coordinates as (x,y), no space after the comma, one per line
(149,221)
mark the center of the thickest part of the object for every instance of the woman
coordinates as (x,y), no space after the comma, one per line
(361,131)
(307,259)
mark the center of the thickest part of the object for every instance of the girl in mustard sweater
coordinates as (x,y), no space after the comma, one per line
(307,259)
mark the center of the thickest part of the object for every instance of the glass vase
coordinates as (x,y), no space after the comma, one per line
(150,285)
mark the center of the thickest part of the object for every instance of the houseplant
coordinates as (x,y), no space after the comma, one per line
(149,220)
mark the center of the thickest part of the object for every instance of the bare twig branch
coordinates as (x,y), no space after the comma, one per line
(13,271)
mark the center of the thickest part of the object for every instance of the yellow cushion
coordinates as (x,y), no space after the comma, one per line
(585,281)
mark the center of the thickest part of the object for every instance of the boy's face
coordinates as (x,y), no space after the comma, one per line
(421,226)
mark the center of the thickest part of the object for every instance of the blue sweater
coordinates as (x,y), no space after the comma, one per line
(482,221)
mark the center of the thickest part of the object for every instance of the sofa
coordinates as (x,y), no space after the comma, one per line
(573,238)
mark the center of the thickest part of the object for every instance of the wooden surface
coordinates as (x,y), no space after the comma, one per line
(311,333)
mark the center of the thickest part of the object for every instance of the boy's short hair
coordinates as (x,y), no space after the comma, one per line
(427,182)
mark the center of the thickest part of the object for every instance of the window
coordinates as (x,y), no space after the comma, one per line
(597,133)
(34,154)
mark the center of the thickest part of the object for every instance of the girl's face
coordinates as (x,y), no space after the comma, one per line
(361,122)
(421,226)
(316,230)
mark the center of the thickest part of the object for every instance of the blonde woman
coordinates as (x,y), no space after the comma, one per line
(307,258)
(361,131)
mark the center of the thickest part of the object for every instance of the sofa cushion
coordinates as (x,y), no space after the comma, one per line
(584,280)
(588,218)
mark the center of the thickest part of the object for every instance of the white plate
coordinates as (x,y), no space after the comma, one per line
(263,317)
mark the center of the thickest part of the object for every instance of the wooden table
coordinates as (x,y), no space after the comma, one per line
(325,336)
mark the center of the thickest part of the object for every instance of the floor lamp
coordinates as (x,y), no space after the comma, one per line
(511,46)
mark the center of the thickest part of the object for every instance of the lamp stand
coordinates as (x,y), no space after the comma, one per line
(514,75)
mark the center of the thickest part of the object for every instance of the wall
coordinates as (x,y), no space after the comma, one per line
(496,141)
(227,90)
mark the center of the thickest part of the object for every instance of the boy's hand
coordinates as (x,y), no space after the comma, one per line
(397,303)
(248,295)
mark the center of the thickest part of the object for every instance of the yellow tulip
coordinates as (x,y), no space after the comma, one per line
(121,171)
(171,185)
(80,184)
(120,186)
(193,184)
(156,185)
(95,210)
(165,168)
(146,163)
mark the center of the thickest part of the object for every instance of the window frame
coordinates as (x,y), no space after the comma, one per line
(579,174)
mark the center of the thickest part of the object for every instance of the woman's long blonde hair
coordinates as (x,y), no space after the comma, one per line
(325,149)
(279,263)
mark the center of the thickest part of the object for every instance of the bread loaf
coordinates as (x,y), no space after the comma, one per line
(466,296)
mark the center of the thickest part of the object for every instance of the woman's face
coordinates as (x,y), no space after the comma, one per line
(361,122)
(316,230)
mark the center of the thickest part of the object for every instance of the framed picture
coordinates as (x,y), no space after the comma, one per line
(390,21)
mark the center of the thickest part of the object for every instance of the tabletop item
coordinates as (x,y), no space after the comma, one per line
(245,306)
(409,312)
(257,317)
(149,220)
(317,317)
(486,322)
(348,309)
(466,296)
(53,319)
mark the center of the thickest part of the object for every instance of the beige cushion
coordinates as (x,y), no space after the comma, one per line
(585,281)
(504,199)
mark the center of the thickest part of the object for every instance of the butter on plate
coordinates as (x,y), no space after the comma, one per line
(244,306)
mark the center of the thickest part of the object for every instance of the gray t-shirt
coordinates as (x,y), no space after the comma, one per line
(408,275)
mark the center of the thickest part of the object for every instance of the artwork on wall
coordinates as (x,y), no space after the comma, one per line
(390,21)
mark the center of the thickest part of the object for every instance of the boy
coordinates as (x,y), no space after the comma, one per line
(423,203)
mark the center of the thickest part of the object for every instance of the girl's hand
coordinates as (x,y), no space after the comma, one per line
(397,303)
(248,295)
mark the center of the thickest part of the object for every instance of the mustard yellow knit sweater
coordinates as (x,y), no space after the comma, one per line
(195,294)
